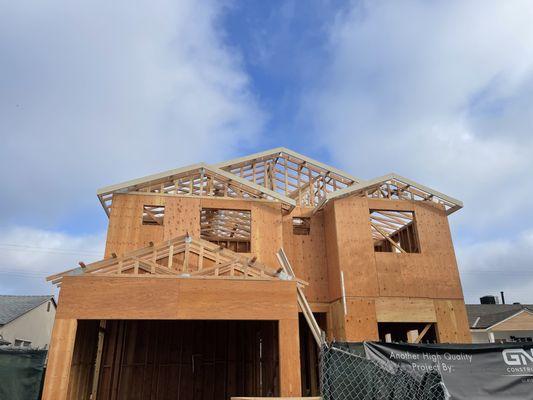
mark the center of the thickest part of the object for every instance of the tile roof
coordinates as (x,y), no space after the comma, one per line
(490,314)
(12,307)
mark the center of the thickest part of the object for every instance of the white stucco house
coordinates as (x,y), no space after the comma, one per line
(26,321)
(500,323)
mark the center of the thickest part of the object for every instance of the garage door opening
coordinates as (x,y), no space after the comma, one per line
(185,360)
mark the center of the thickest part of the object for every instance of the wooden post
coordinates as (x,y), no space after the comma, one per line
(412,336)
(59,359)
(289,358)
(98,361)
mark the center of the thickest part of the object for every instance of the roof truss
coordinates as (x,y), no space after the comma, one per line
(396,187)
(195,180)
(279,175)
(181,257)
(290,174)
(221,224)
(391,227)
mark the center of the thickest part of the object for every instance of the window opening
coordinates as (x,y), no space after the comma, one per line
(227,228)
(301,226)
(394,231)
(153,215)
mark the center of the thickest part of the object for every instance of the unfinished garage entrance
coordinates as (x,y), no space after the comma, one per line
(189,360)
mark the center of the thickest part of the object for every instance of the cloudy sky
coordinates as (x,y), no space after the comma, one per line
(94,93)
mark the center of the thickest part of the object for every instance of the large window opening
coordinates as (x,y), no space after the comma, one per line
(227,228)
(394,231)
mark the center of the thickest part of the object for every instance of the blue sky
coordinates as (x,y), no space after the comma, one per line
(96,93)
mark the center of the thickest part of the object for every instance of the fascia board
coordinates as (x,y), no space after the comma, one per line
(146,179)
(363,185)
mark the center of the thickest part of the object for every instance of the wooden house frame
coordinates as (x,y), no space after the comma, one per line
(237,255)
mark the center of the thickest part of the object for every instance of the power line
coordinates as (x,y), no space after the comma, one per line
(24,275)
(56,250)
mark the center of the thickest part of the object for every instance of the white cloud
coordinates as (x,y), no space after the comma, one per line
(411,87)
(92,93)
(498,265)
(439,92)
(28,255)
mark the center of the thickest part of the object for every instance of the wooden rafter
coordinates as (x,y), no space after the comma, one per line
(196,180)
(223,225)
(395,187)
(295,176)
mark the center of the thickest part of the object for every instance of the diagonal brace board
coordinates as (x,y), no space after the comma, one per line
(302,301)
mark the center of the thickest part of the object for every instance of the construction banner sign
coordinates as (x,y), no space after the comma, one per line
(491,371)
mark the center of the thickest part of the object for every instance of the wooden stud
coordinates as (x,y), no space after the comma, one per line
(59,359)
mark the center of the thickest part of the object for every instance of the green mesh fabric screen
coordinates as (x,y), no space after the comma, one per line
(21,373)
(347,375)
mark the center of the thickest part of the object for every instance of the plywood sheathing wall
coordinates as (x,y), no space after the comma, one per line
(307,253)
(431,273)
(182,214)
(350,249)
(452,321)
(371,277)
(146,297)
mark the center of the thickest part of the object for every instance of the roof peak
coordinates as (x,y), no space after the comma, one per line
(278,174)
(290,152)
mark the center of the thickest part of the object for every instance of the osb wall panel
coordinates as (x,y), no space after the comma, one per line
(126,231)
(307,253)
(432,273)
(452,321)
(397,309)
(354,247)
(267,233)
(332,253)
(106,297)
(182,214)
(436,242)
(358,325)
(336,323)
(360,322)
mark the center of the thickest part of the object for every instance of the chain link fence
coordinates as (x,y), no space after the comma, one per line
(345,374)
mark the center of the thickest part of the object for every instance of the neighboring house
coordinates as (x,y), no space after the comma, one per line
(497,323)
(27,321)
